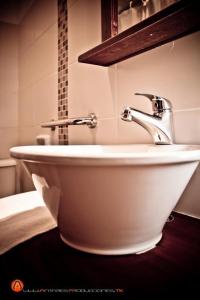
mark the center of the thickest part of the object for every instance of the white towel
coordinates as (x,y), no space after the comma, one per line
(22,216)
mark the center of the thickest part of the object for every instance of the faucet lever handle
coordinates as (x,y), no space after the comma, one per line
(149,96)
(159,104)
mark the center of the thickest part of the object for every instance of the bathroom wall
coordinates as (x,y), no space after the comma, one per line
(8,87)
(38,74)
(171,70)
(91,88)
(11,14)
(28,73)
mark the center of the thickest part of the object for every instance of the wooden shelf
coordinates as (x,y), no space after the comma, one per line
(171,23)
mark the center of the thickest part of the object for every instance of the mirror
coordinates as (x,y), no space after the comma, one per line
(119,15)
(135,11)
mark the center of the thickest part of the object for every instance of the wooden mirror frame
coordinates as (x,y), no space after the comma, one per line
(109,19)
(171,23)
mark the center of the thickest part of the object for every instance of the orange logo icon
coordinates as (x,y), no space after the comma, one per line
(17,285)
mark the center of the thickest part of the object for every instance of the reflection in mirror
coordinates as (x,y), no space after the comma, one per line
(135,11)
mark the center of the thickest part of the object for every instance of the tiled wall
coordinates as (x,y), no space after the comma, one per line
(38,70)
(38,74)
(8,87)
(43,69)
(62,69)
(171,71)
(91,88)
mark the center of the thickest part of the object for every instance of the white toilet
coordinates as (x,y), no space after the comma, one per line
(8,177)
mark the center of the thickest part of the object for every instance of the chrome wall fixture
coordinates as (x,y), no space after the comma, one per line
(90,121)
(159,124)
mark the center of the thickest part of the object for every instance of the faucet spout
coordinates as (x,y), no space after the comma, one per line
(159,124)
(90,121)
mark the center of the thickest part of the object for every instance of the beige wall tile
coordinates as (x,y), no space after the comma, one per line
(80,135)
(84,21)
(37,20)
(104,133)
(8,109)
(8,138)
(38,70)
(37,41)
(25,69)
(171,71)
(8,75)
(26,32)
(187,126)
(38,104)
(91,89)
(8,87)
(8,40)
(40,60)
(28,134)
(45,94)
(26,108)
(44,15)
(44,55)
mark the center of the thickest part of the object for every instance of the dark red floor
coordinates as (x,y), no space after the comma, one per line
(45,262)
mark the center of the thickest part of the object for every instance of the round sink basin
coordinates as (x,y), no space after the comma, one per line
(110,199)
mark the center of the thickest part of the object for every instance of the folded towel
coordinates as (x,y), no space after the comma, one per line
(22,216)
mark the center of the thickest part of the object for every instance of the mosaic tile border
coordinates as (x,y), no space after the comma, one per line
(62,70)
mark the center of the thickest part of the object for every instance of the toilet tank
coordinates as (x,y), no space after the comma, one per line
(7,177)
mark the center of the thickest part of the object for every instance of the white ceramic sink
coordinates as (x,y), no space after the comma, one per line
(112,199)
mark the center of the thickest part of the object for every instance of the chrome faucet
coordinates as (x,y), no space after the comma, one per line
(159,124)
(90,121)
